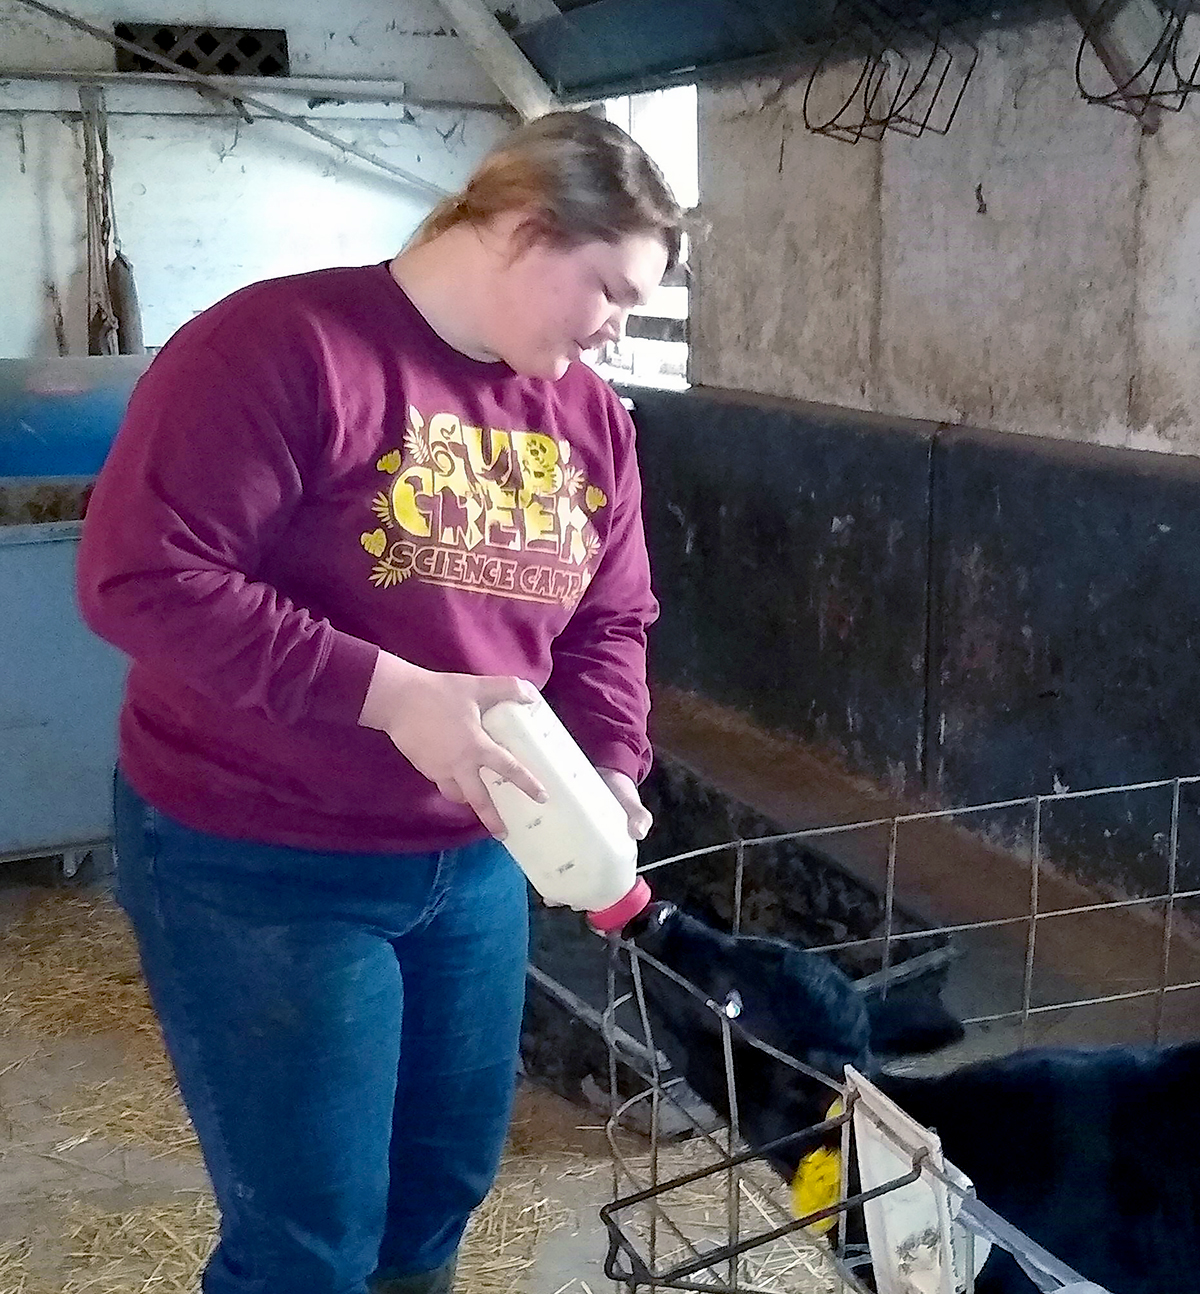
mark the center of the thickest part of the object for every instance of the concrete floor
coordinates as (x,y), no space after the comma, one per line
(101,1186)
(79,1074)
(77,1043)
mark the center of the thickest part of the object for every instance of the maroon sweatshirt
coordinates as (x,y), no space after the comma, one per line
(307,473)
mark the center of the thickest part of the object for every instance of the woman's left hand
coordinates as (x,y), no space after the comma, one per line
(625,789)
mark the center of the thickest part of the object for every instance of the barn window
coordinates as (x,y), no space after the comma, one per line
(654,350)
(214,51)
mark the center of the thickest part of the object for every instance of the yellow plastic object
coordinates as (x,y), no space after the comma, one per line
(817,1182)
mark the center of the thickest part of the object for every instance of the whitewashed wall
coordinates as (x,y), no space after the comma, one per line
(1036,270)
(205,202)
(408,39)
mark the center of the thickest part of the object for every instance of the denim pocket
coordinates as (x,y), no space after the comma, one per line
(136,848)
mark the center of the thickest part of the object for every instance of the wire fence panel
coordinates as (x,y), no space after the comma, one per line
(705,1212)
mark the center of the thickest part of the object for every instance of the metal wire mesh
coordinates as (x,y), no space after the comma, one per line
(1150,53)
(911,78)
(723,1221)
(1170,898)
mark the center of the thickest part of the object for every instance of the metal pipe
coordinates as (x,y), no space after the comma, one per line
(1168,917)
(240,101)
(362,89)
(1035,868)
(889,903)
(331,87)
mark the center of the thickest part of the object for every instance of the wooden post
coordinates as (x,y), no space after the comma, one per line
(498,55)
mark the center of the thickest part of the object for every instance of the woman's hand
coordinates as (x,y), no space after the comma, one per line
(433,720)
(625,789)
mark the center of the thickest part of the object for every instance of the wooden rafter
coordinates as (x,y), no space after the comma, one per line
(515,77)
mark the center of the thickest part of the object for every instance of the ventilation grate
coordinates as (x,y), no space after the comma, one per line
(215,51)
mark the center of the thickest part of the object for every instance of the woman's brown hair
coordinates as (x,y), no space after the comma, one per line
(582,179)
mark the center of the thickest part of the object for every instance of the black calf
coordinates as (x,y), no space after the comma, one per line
(1094,1153)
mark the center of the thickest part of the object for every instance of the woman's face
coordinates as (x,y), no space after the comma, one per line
(553,304)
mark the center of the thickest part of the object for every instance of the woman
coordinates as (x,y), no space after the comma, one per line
(347,512)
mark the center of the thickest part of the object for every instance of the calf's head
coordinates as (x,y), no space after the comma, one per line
(796,1001)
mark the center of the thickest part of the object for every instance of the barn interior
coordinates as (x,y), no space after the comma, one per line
(917,433)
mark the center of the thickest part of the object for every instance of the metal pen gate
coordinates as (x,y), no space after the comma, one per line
(711,1215)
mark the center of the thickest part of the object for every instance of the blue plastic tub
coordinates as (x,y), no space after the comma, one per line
(60,690)
(58,416)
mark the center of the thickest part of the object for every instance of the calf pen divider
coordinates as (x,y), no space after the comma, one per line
(695,1262)
(714,1216)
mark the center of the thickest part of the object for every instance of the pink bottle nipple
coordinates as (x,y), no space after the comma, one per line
(617,915)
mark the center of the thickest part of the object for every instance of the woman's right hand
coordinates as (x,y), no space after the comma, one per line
(433,720)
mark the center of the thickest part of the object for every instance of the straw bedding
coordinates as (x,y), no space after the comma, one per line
(68,967)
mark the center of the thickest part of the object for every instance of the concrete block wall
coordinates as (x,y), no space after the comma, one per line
(1035,270)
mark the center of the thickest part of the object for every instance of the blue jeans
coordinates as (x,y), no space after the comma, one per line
(344,1028)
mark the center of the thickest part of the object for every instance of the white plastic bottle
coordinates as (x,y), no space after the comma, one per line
(576,848)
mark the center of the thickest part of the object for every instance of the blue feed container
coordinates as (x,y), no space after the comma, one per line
(58,416)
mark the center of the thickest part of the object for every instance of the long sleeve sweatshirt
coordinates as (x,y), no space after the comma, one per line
(308,473)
